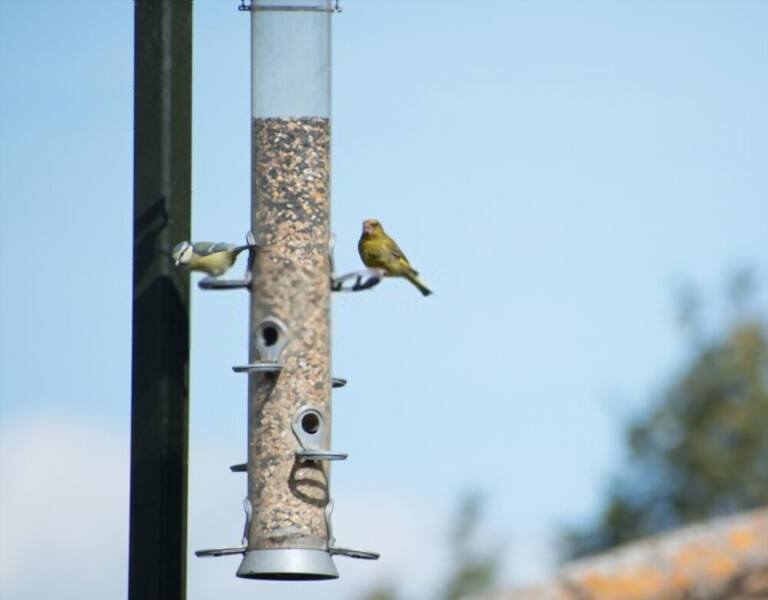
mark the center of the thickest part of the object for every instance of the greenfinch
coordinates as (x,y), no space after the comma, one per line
(379,251)
(208,257)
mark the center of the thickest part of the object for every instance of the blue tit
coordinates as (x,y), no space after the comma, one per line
(208,257)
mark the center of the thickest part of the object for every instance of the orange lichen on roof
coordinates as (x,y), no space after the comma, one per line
(669,566)
(724,558)
(744,538)
(633,585)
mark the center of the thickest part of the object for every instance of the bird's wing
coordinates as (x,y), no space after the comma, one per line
(206,248)
(398,254)
(394,249)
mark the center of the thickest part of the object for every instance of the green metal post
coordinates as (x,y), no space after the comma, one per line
(160,368)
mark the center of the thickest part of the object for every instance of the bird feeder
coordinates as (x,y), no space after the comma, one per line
(288,533)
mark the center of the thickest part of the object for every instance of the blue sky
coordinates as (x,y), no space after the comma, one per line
(554,169)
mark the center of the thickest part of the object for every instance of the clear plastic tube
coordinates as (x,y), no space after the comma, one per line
(291,58)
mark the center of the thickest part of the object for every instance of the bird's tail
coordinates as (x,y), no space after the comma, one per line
(414,279)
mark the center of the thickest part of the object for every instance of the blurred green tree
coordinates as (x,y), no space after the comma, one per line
(381,592)
(471,570)
(702,449)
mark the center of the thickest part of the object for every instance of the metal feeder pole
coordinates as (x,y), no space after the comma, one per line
(289,402)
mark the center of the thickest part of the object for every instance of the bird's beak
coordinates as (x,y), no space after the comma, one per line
(176,262)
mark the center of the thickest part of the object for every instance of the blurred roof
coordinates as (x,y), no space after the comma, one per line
(725,558)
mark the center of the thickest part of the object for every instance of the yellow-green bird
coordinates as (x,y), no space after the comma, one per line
(379,251)
(208,257)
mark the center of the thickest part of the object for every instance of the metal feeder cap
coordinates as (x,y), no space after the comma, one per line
(288,564)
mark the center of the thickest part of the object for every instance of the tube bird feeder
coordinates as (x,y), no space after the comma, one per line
(288,533)
(287,536)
